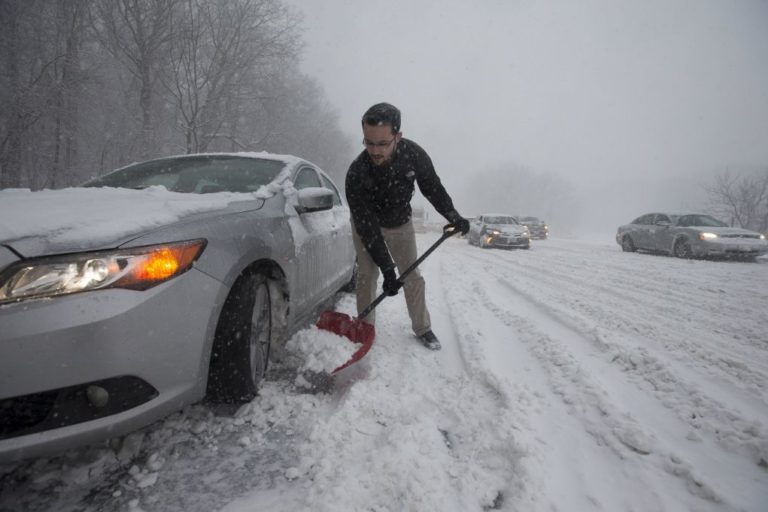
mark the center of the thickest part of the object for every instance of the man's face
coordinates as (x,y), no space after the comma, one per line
(380,143)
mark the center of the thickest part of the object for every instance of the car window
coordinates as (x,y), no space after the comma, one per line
(306,177)
(645,219)
(660,217)
(329,185)
(700,220)
(198,175)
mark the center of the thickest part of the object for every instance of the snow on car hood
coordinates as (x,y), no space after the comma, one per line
(45,221)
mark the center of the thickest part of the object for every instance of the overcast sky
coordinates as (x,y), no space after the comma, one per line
(595,90)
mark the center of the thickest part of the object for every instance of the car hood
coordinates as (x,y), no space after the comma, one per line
(81,219)
(725,231)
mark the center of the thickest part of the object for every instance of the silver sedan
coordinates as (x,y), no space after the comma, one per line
(498,230)
(690,235)
(101,337)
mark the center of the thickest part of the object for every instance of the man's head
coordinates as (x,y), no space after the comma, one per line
(381,132)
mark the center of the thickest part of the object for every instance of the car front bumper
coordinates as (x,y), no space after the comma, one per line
(148,350)
(506,241)
(730,248)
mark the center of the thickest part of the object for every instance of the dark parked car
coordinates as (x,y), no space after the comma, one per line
(690,235)
(536,227)
(102,336)
(498,230)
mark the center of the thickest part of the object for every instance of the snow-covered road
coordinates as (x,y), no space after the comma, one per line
(573,377)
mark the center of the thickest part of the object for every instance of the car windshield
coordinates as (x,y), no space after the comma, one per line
(500,220)
(700,220)
(529,219)
(197,175)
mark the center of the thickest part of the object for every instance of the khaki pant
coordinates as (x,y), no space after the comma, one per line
(401,242)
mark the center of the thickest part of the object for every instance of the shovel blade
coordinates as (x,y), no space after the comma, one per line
(354,330)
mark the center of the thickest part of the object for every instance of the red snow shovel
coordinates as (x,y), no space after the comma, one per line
(356,329)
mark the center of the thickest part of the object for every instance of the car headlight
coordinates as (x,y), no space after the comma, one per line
(138,268)
(707,236)
(494,232)
(762,237)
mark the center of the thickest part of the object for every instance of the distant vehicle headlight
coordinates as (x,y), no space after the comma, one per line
(137,269)
(762,237)
(707,236)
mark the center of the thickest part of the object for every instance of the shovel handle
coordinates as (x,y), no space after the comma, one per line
(448,231)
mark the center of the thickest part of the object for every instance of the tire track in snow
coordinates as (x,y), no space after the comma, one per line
(621,313)
(546,339)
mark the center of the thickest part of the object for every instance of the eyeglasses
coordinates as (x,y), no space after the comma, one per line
(381,145)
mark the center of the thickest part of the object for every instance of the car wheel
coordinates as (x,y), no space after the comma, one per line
(242,341)
(627,245)
(683,249)
(351,286)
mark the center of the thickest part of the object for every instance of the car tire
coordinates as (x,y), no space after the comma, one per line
(627,245)
(351,286)
(683,249)
(242,341)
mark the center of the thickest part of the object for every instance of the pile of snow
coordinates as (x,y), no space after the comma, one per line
(321,351)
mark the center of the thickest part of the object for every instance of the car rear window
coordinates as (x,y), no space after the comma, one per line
(197,175)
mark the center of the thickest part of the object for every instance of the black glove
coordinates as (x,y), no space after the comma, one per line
(391,283)
(460,223)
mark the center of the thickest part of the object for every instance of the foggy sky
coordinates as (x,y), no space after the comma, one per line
(605,93)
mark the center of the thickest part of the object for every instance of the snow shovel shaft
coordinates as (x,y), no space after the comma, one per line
(356,329)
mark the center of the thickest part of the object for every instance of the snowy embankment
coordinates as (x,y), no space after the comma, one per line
(572,377)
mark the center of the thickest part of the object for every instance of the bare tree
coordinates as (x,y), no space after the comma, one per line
(741,199)
(80,91)
(297,119)
(70,22)
(26,84)
(136,32)
(217,55)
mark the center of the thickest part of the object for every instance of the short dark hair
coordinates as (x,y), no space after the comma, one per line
(382,114)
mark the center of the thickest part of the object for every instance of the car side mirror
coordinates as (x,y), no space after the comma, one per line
(314,199)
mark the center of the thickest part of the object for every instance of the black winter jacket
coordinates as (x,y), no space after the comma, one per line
(381,196)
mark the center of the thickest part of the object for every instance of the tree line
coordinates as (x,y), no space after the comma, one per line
(741,199)
(91,85)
